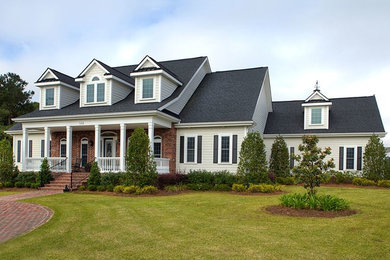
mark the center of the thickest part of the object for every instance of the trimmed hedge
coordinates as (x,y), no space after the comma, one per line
(164,180)
(263,188)
(363,182)
(285,180)
(384,183)
(239,187)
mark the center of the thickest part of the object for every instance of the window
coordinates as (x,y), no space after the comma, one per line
(100,92)
(225,149)
(18,152)
(350,158)
(49,97)
(316,116)
(147,88)
(95,91)
(157,147)
(63,148)
(30,147)
(190,149)
(90,93)
(42,148)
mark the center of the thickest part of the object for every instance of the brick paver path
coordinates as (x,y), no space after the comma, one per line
(17,218)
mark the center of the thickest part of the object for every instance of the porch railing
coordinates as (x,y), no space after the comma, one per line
(109,164)
(162,165)
(56,164)
(33,164)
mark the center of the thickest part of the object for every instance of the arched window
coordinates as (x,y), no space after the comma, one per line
(157,147)
(84,151)
(63,147)
(95,91)
(95,79)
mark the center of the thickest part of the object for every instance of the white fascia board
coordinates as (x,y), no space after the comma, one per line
(119,80)
(380,134)
(47,71)
(54,83)
(19,132)
(97,116)
(79,80)
(147,58)
(90,65)
(314,93)
(214,124)
(156,72)
(317,104)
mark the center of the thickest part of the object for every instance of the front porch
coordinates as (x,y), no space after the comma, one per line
(69,148)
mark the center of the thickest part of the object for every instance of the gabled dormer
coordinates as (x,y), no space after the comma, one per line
(153,82)
(316,110)
(57,90)
(102,85)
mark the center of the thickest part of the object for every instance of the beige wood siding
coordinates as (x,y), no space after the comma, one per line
(138,89)
(42,102)
(36,140)
(325,118)
(95,70)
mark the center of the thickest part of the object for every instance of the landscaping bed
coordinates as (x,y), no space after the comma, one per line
(281,210)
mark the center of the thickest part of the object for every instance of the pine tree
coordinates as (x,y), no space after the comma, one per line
(94,175)
(252,167)
(374,159)
(6,162)
(311,163)
(279,163)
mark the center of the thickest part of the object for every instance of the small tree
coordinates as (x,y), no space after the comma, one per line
(44,175)
(374,159)
(6,162)
(387,168)
(141,167)
(252,167)
(94,175)
(311,163)
(279,163)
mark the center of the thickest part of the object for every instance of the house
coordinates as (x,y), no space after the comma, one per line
(195,118)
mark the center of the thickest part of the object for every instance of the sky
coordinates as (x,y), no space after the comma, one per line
(342,44)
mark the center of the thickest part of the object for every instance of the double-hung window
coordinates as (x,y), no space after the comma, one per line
(49,97)
(225,149)
(190,149)
(95,91)
(147,88)
(316,116)
(350,158)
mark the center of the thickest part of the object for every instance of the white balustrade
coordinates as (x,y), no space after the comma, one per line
(162,165)
(109,164)
(33,164)
(56,164)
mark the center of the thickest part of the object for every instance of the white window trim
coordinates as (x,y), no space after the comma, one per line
(322,116)
(54,98)
(95,83)
(354,158)
(142,89)
(196,149)
(230,148)
(160,142)
(62,142)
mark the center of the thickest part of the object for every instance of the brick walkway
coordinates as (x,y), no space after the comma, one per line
(17,218)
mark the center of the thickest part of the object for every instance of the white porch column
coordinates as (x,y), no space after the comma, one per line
(97,140)
(69,148)
(24,149)
(123,147)
(47,142)
(151,135)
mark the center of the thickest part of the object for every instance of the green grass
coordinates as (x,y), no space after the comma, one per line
(204,225)
(5,193)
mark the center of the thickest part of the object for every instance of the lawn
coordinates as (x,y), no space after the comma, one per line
(5,193)
(203,225)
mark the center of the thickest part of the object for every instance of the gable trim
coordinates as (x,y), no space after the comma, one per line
(316,92)
(145,59)
(94,61)
(47,71)
(119,80)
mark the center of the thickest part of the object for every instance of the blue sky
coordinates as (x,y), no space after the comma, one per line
(343,44)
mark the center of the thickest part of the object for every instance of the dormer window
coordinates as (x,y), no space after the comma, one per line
(95,91)
(147,88)
(316,116)
(49,97)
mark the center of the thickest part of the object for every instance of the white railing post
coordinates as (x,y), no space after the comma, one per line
(151,135)
(97,140)
(47,142)
(69,148)
(24,149)
(122,147)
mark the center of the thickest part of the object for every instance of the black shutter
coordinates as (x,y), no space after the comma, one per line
(181,149)
(359,158)
(42,148)
(30,148)
(234,159)
(19,146)
(199,159)
(341,158)
(291,157)
(215,160)
(50,149)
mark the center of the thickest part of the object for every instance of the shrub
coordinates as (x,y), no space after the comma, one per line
(92,187)
(175,188)
(285,180)
(164,180)
(262,188)
(44,175)
(101,188)
(222,187)
(1,185)
(200,186)
(130,189)
(239,187)
(225,177)
(317,202)
(34,186)
(279,163)
(384,183)
(110,187)
(200,176)
(374,159)
(81,188)
(118,189)
(363,182)
(252,167)
(26,177)
(94,176)
(343,177)
(27,184)
(146,190)
(111,178)
(7,173)
(8,184)
(19,184)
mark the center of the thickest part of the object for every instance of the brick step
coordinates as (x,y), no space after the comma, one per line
(52,188)
(68,179)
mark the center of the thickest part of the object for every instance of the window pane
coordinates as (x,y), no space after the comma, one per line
(95,79)
(50,97)
(350,158)
(90,93)
(157,150)
(316,115)
(100,92)
(147,88)
(225,149)
(191,149)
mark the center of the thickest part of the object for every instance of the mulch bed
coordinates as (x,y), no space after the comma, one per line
(344,185)
(310,213)
(256,193)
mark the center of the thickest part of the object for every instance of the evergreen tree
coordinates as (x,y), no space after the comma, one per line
(374,159)
(311,163)
(6,162)
(44,175)
(252,167)
(141,167)
(94,175)
(279,163)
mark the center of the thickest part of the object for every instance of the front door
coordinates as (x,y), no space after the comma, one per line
(84,154)
(108,147)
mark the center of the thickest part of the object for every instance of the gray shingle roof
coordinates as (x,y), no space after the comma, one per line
(225,96)
(15,127)
(63,78)
(346,115)
(185,68)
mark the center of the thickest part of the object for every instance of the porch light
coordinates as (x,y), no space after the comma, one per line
(91,143)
